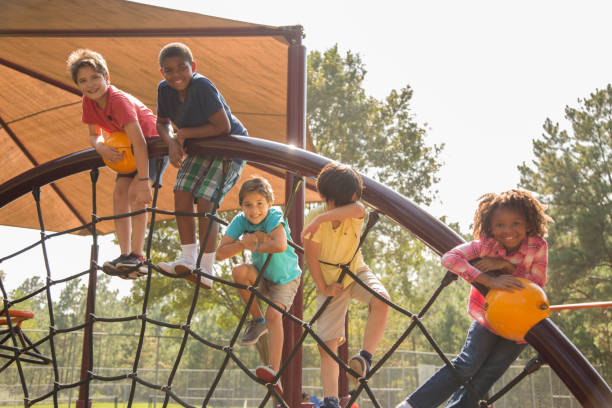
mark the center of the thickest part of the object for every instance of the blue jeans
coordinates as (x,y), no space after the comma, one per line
(483,360)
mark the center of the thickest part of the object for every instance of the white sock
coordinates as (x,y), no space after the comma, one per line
(190,252)
(208,258)
(404,404)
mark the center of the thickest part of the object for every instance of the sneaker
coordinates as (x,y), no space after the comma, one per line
(331,402)
(361,366)
(133,266)
(179,267)
(267,374)
(110,267)
(203,281)
(253,331)
(404,404)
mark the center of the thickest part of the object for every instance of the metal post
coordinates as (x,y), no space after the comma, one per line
(87,360)
(296,135)
(343,353)
(156,365)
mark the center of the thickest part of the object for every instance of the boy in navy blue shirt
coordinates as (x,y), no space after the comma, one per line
(197,109)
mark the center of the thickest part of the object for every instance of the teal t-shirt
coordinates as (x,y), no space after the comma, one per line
(283,266)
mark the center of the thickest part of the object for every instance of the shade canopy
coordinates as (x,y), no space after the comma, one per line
(40,106)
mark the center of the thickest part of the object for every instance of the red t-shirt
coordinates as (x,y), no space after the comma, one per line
(121,108)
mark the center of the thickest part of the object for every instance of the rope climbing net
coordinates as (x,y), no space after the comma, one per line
(19,352)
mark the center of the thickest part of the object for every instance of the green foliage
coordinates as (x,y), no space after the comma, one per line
(380,138)
(572,172)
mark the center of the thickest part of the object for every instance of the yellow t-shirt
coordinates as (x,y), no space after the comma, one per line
(337,246)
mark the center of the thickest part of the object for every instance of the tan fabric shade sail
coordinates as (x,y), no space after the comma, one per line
(40,107)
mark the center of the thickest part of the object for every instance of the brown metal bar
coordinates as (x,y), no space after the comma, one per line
(291,33)
(296,136)
(570,365)
(39,76)
(427,228)
(34,162)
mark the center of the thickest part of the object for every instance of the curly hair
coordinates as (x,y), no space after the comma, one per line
(258,185)
(86,58)
(518,200)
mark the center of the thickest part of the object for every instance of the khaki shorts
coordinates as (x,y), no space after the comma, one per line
(279,294)
(330,324)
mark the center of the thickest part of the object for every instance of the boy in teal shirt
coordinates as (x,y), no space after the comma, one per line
(263,230)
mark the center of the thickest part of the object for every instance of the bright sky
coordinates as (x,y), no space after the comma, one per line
(485,77)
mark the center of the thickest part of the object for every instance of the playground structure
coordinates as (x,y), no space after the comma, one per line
(283,163)
(556,350)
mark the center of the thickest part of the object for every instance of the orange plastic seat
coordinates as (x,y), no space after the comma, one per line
(32,355)
(16,316)
(513,314)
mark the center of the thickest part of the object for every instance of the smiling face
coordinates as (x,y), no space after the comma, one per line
(178,72)
(93,84)
(255,207)
(509,227)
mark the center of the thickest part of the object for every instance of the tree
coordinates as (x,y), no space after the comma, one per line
(380,138)
(572,172)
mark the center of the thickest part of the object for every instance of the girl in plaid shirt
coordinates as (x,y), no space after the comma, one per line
(509,228)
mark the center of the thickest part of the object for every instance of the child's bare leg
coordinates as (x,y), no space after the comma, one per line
(139,222)
(211,244)
(208,257)
(246,275)
(274,321)
(121,205)
(329,370)
(183,202)
(375,326)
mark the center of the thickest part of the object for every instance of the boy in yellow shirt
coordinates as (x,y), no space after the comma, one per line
(332,237)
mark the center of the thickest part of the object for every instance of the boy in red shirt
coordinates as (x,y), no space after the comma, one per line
(110,109)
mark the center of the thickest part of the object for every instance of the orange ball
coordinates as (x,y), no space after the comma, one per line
(513,314)
(121,142)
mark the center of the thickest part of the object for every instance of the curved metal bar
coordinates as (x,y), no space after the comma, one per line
(570,365)
(399,208)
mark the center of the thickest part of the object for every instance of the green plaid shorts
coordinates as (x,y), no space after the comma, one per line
(202,175)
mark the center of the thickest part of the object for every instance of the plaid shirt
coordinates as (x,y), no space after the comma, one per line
(530,262)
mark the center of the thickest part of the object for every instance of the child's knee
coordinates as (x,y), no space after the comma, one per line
(240,273)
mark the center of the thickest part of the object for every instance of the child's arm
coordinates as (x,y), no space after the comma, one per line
(97,142)
(457,261)
(258,241)
(228,247)
(311,254)
(353,210)
(218,124)
(274,242)
(141,156)
(175,150)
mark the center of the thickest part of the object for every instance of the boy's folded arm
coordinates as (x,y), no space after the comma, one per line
(218,124)
(352,210)
(228,247)
(276,243)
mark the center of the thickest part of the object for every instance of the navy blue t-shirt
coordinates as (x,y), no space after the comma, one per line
(202,100)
